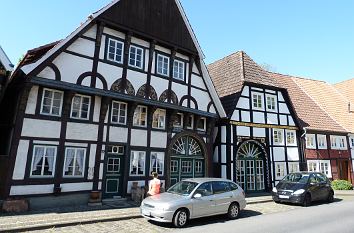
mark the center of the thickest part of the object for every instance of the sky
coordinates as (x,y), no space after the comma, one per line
(312,39)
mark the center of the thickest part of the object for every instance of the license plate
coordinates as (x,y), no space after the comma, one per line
(284,196)
(145,212)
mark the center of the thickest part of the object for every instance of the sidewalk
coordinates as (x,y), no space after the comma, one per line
(60,217)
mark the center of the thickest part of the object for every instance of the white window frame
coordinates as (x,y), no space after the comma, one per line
(135,57)
(115,50)
(179,126)
(293,133)
(161,154)
(310,141)
(120,104)
(191,122)
(177,64)
(157,114)
(43,161)
(276,139)
(280,170)
(51,103)
(204,125)
(321,141)
(131,163)
(317,164)
(80,109)
(351,140)
(338,142)
(293,167)
(75,161)
(137,122)
(163,63)
(259,96)
(274,98)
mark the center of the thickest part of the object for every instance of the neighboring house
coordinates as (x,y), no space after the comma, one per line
(6,68)
(324,116)
(125,94)
(259,143)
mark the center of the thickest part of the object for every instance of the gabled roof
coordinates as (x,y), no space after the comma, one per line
(30,68)
(230,73)
(347,89)
(309,112)
(329,99)
(5,61)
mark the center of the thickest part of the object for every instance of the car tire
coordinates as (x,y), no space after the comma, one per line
(278,202)
(330,197)
(181,218)
(307,200)
(233,211)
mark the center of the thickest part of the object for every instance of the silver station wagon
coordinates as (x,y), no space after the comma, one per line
(194,198)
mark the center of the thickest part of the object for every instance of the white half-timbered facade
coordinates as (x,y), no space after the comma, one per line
(259,143)
(124,95)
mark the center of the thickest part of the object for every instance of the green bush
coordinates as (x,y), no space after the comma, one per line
(341,185)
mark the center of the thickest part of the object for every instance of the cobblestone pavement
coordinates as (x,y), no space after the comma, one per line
(142,225)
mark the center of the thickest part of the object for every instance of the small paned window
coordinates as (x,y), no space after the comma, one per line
(201,125)
(321,141)
(312,166)
(163,65)
(119,113)
(190,123)
(293,167)
(115,50)
(278,137)
(198,167)
(137,163)
(280,171)
(136,58)
(271,103)
(52,102)
(257,100)
(186,166)
(159,118)
(290,137)
(174,166)
(43,161)
(338,142)
(157,162)
(178,122)
(80,107)
(140,116)
(352,142)
(324,167)
(113,165)
(310,141)
(74,164)
(178,70)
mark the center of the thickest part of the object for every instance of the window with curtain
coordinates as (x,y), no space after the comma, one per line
(74,163)
(43,161)
(157,161)
(140,116)
(158,121)
(80,107)
(137,163)
(52,102)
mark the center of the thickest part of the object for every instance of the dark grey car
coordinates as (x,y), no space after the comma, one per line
(303,188)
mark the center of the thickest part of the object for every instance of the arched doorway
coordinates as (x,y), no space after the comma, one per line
(186,159)
(250,166)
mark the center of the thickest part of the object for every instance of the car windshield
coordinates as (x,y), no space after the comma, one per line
(297,178)
(183,188)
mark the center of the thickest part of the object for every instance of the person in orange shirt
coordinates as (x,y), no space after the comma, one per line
(154,186)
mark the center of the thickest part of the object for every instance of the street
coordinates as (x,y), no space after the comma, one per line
(262,217)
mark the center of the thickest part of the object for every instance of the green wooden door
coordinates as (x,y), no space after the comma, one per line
(187,160)
(113,176)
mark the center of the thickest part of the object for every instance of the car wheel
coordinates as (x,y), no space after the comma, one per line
(330,197)
(278,202)
(233,211)
(307,200)
(180,219)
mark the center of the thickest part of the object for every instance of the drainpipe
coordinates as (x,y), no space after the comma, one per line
(303,150)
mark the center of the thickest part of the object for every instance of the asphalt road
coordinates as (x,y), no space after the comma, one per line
(336,217)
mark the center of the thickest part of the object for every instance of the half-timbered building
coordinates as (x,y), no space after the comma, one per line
(327,123)
(258,144)
(125,94)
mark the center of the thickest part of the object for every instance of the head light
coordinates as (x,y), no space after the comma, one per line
(299,191)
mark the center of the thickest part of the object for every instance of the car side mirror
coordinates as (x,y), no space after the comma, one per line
(198,196)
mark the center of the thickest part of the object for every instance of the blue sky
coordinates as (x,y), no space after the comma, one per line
(304,38)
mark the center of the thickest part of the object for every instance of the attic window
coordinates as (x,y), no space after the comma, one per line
(115,50)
